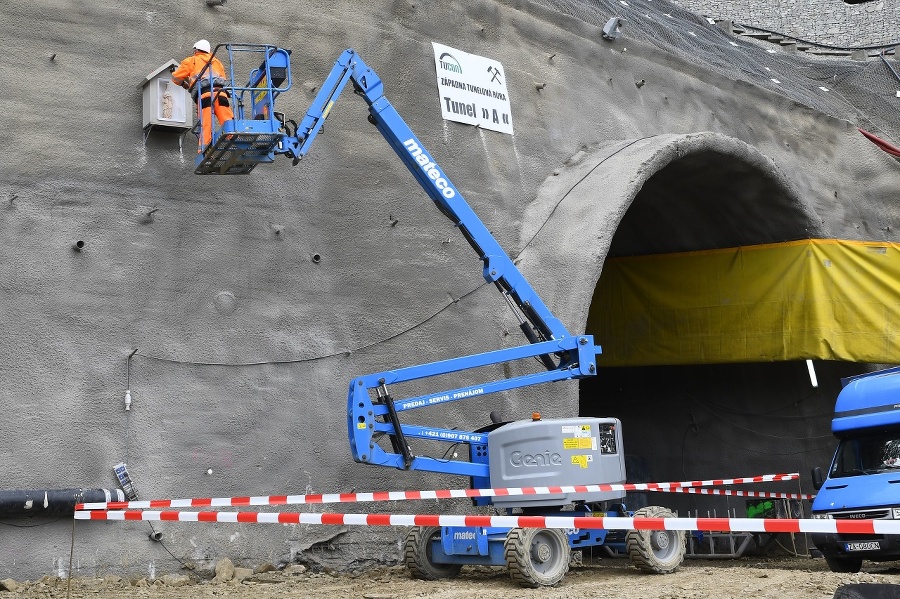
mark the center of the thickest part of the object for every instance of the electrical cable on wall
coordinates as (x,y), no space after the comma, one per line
(768,452)
(156,536)
(770,414)
(322,357)
(750,430)
(54,521)
(574,185)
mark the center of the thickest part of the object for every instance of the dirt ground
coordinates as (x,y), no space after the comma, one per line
(799,578)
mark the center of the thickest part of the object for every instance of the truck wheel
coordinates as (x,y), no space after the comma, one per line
(844,564)
(655,551)
(417,555)
(536,557)
(866,590)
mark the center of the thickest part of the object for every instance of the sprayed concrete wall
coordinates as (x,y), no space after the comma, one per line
(245,342)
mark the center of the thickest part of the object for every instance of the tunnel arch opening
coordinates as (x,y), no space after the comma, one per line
(709,199)
(709,420)
(682,193)
(712,420)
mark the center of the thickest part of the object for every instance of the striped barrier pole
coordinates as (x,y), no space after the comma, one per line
(732,493)
(760,525)
(419,495)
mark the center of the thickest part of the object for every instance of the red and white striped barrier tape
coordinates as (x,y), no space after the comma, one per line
(762,494)
(763,525)
(416,495)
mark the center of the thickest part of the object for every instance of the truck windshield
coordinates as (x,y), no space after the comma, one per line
(867,455)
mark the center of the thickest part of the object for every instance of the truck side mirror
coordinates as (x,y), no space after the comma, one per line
(817,479)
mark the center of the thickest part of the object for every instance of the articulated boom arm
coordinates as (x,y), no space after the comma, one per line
(498,267)
(564,356)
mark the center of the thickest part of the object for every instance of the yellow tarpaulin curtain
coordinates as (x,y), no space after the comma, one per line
(825,299)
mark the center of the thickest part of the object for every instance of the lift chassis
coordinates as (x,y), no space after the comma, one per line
(538,453)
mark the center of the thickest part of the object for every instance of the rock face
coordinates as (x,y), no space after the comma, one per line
(253,300)
(834,23)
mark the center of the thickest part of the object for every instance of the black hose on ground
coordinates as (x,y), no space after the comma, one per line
(52,502)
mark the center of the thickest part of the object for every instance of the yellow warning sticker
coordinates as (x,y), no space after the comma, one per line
(577,430)
(580,460)
(577,443)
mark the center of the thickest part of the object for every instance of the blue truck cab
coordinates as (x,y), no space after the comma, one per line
(863,481)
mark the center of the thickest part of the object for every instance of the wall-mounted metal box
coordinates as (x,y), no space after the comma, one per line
(166,105)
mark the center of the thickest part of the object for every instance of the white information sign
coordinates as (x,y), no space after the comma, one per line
(472,89)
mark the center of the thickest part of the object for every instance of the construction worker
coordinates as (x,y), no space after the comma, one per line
(188,75)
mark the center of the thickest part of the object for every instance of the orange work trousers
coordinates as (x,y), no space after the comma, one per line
(219,102)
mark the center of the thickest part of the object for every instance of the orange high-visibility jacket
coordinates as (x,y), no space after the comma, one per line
(191,66)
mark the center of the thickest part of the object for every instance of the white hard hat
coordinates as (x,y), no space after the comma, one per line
(202,45)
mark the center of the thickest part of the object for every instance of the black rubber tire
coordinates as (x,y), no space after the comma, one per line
(417,555)
(536,557)
(655,551)
(850,565)
(867,591)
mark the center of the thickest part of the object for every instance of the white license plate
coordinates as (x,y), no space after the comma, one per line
(863,546)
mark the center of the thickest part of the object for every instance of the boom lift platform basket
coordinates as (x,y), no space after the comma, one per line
(253,137)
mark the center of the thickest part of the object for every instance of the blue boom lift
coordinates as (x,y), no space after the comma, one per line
(530,453)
